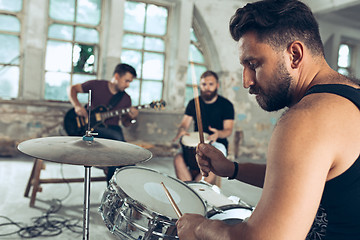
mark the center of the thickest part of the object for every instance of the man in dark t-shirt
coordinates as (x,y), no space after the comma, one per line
(217,116)
(102,93)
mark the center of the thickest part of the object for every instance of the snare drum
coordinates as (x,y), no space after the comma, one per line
(188,144)
(135,205)
(211,194)
(230,214)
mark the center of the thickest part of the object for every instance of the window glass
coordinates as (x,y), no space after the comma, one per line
(199,69)
(84,58)
(344,56)
(58,56)
(72,49)
(145,27)
(56,84)
(156,20)
(153,66)
(345,59)
(189,93)
(195,55)
(134,18)
(11,5)
(196,62)
(61,31)
(134,59)
(88,11)
(343,71)
(9,49)
(154,44)
(133,41)
(134,92)
(10,54)
(9,23)
(87,35)
(193,36)
(151,91)
(63,10)
(9,81)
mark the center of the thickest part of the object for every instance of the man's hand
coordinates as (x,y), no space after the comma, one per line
(133,113)
(187,224)
(181,132)
(81,111)
(213,137)
(211,159)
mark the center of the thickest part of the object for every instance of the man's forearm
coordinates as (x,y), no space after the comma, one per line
(252,173)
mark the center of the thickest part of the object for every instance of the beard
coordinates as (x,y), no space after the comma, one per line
(277,95)
(208,95)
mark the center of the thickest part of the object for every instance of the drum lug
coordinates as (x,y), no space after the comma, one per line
(217,210)
(152,225)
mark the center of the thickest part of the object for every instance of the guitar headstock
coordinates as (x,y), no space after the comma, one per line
(158,104)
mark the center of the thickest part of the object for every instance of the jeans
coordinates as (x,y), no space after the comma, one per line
(113,133)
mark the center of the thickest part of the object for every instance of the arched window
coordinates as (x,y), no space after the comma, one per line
(197,64)
(345,59)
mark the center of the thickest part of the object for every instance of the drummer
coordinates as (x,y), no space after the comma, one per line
(217,116)
(313,158)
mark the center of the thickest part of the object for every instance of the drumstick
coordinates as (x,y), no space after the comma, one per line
(197,107)
(197,103)
(172,202)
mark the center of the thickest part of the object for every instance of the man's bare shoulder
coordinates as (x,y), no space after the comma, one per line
(322,107)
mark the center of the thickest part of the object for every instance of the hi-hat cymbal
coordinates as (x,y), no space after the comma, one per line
(74,150)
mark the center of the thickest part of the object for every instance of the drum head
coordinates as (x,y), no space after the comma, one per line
(193,139)
(230,214)
(210,193)
(144,186)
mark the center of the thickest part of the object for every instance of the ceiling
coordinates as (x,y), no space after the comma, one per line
(343,12)
(348,16)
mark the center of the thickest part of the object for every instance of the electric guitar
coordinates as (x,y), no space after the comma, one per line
(75,125)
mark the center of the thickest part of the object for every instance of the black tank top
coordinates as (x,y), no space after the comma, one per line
(341,196)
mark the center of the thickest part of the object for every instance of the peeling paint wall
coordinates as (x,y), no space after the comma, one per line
(21,120)
(25,120)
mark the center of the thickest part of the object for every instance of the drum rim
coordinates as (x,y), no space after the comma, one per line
(113,227)
(141,207)
(205,136)
(212,212)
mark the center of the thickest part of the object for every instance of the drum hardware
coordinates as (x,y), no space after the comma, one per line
(146,213)
(231,214)
(87,152)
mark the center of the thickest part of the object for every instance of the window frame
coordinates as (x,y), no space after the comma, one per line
(18,34)
(142,50)
(73,25)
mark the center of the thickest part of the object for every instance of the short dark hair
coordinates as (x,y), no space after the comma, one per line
(123,68)
(209,73)
(278,23)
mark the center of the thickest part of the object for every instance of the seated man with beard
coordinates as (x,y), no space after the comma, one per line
(217,116)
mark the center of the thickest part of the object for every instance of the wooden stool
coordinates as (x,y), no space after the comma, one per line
(35,180)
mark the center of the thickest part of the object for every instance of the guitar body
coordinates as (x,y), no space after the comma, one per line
(75,125)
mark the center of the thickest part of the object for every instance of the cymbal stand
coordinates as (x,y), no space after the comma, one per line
(89,137)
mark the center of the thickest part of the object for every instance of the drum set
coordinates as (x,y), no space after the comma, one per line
(134,205)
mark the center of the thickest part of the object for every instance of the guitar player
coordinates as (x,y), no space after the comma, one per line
(112,95)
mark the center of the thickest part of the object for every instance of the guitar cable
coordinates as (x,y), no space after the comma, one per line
(48,225)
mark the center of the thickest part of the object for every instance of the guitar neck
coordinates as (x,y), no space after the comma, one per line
(120,112)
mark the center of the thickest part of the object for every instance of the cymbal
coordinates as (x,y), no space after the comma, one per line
(74,150)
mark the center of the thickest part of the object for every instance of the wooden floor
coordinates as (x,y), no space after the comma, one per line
(15,173)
